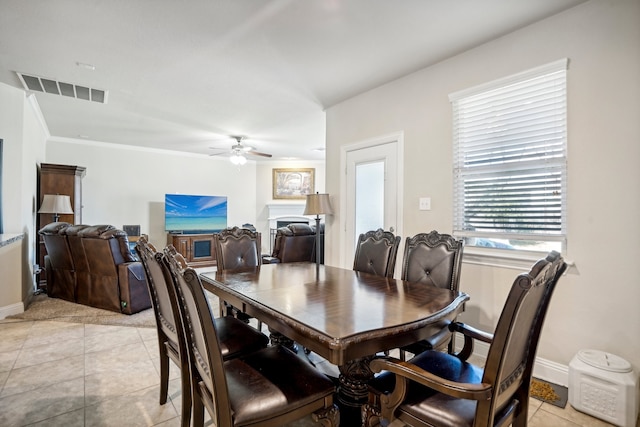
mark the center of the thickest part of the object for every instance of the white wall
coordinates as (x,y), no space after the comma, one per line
(24,136)
(127,185)
(595,306)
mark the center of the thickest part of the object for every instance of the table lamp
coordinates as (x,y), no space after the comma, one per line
(56,204)
(318,204)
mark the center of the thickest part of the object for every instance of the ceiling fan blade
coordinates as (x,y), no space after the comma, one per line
(257,153)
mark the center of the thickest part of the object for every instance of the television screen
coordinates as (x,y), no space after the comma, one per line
(194,214)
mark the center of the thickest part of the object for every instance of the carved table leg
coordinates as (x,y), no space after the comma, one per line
(352,388)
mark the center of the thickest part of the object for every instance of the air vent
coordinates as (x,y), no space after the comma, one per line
(41,84)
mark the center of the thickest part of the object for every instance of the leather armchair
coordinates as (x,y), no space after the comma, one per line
(294,243)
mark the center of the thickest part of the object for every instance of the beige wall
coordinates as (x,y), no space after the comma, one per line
(595,305)
(127,185)
(264,191)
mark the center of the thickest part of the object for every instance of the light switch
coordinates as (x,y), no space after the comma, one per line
(425,203)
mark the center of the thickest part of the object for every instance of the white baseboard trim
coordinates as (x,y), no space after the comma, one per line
(542,368)
(8,310)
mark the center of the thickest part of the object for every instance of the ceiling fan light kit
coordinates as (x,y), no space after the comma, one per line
(238,159)
(239,152)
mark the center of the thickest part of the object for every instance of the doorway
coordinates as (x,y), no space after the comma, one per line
(371,194)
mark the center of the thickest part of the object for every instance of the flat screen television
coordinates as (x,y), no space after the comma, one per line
(192,214)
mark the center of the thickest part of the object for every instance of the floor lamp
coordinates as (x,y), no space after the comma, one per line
(318,204)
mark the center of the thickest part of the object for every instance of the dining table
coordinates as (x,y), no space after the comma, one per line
(346,317)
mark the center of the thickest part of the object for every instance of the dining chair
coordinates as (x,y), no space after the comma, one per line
(434,259)
(439,389)
(376,253)
(236,248)
(236,337)
(269,387)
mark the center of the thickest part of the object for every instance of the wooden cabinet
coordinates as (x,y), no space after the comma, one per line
(58,179)
(197,249)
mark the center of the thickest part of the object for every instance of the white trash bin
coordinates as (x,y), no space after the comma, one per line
(604,385)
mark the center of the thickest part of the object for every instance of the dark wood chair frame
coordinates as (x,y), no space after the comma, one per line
(171,342)
(498,395)
(239,240)
(434,259)
(210,374)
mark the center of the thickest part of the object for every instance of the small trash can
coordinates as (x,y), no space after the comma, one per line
(604,385)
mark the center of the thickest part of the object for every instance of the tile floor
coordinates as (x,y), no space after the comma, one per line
(66,374)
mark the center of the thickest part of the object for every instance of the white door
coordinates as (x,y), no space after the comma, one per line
(372,194)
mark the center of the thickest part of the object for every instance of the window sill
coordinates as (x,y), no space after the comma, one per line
(516,260)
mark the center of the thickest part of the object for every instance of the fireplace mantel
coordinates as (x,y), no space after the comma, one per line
(286,212)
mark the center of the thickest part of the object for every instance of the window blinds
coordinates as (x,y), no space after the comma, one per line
(510,156)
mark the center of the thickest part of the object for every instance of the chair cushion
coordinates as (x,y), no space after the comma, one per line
(271,382)
(426,404)
(236,337)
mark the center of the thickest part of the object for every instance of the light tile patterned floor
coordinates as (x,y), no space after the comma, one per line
(66,374)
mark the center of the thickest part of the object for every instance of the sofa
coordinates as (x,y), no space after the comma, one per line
(295,243)
(93,265)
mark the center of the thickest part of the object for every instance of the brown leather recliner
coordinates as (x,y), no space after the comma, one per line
(93,265)
(58,263)
(295,243)
(118,281)
(80,263)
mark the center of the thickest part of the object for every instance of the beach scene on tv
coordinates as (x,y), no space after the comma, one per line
(194,214)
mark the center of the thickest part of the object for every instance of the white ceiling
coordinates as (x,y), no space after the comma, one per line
(184,75)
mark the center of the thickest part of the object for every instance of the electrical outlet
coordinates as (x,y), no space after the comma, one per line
(425,203)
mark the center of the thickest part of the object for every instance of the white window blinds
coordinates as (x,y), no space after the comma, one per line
(510,139)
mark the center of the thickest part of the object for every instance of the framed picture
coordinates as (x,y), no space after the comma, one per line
(293,183)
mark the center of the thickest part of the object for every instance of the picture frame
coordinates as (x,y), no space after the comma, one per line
(293,183)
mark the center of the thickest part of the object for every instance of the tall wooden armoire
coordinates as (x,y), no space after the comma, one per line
(57,179)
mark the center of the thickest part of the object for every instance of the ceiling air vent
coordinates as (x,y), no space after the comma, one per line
(41,84)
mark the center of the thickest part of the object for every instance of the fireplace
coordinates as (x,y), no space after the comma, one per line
(283,214)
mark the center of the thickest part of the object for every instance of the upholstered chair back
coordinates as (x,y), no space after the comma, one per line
(201,336)
(237,248)
(376,253)
(433,258)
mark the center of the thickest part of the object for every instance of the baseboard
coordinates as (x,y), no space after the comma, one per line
(542,368)
(9,310)
(552,372)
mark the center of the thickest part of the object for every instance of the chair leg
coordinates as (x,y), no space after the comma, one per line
(198,408)
(164,374)
(186,396)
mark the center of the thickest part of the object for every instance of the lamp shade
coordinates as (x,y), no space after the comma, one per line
(56,204)
(318,204)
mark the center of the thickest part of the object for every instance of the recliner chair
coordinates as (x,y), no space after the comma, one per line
(93,265)
(295,243)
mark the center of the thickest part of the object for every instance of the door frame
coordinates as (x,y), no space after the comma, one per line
(398,139)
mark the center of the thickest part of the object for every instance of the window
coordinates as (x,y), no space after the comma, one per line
(509,141)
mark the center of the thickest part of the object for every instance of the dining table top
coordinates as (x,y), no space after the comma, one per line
(339,313)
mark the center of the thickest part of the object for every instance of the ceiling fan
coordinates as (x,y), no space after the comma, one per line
(239,151)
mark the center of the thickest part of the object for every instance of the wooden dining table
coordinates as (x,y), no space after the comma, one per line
(346,317)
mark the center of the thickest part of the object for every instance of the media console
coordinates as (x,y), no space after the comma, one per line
(197,249)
